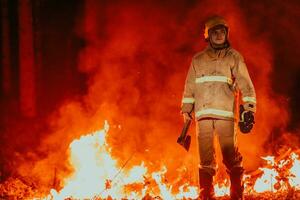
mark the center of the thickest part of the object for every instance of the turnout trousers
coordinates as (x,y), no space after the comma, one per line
(225,131)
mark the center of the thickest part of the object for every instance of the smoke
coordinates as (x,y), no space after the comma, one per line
(279,23)
(136,57)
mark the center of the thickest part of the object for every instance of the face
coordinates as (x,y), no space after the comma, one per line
(218,35)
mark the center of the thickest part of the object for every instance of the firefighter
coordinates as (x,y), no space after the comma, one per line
(214,77)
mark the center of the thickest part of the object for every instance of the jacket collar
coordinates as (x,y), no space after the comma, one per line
(215,54)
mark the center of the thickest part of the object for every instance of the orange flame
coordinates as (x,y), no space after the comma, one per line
(97,175)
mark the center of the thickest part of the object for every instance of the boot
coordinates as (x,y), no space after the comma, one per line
(237,185)
(206,185)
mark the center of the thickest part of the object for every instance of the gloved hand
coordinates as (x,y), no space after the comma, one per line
(187,117)
(246,121)
(249,107)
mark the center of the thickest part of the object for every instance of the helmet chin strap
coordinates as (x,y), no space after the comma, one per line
(219,46)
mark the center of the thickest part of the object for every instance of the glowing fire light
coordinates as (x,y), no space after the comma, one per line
(267,181)
(294,180)
(280,175)
(95,171)
(222,189)
(98,176)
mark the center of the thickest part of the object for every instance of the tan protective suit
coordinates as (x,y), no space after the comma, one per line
(213,78)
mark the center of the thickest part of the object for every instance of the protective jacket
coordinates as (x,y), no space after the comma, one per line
(212,80)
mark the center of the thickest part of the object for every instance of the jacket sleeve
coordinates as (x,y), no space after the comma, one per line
(244,83)
(188,100)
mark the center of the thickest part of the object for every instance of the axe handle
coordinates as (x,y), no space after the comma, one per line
(185,128)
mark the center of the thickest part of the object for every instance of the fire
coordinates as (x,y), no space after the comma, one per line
(95,172)
(98,176)
(267,181)
(222,189)
(280,174)
(294,180)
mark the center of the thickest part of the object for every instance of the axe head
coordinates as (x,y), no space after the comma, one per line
(185,142)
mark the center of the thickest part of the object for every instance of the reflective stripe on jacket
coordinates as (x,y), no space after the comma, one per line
(212,79)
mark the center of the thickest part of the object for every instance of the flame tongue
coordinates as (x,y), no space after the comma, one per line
(97,175)
(93,168)
(279,175)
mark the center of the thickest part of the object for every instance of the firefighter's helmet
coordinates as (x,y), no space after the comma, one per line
(213,22)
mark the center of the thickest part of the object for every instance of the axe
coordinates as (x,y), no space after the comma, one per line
(184,139)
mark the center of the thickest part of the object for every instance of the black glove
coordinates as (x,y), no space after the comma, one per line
(246,120)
